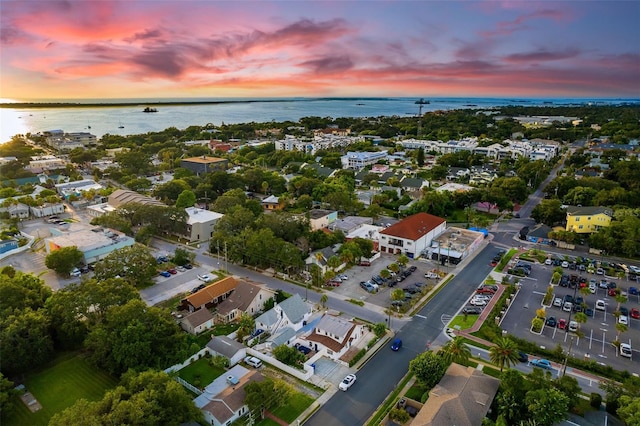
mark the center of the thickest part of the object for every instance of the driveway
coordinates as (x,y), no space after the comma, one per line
(166,288)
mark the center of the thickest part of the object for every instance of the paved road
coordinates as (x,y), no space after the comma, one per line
(381,374)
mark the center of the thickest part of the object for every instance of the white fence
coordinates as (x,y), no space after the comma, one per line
(188,386)
(302,375)
(191,359)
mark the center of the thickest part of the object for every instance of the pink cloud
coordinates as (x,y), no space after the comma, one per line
(505,28)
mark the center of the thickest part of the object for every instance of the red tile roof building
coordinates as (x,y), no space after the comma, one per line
(412,235)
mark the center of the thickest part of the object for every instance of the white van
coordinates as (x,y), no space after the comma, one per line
(75,273)
(253,361)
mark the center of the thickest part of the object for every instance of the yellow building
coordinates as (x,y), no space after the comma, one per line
(586,220)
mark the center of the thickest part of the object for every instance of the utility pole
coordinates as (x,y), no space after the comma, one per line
(226,265)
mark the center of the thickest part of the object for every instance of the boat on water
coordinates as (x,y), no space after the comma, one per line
(423,102)
(149,109)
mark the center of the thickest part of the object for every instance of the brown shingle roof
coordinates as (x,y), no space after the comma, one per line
(232,398)
(241,298)
(212,292)
(198,317)
(463,397)
(414,227)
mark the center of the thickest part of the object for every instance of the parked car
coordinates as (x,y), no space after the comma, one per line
(472,310)
(413,268)
(396,344)
(347,382)
(557,302)
(432,275)
(600,305)
(542,363)
(567,307)
(635,313)
(180,268)
(204,277)
(573,326)
(625,350)
(75,272)
(253,361)
(565,264)
(478,302)
(172,271)
(623,319)
(485,290)
(188,266)
(551,322)
(522,356)
(562,324)
(633,291)
(165,274)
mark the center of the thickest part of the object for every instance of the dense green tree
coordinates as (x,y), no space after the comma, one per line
(187,198)
(64,259)
(7,395)
(288,355)
(20,290)
(171,190)
(547,406)
(78,308)
(134,162)
(134,264)
(246,326)
(549,212)
(135,336)
(148,398)
(428,368)
(511,396)
(266,395)
(26,342)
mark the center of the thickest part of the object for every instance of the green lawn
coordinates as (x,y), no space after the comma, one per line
(459,320)
(201,369)
(57,387)
(415,392)
(295,405)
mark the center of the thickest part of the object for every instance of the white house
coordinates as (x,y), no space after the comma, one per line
(411,235)
(292,312)
(334,336)
(200,223)
(197,322)
(222,401)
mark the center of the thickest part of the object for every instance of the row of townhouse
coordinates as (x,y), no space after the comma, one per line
(62,141)
(535,149)
(320,141)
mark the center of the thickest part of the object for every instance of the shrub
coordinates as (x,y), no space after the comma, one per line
(399,415)
(358,357)
(595,400)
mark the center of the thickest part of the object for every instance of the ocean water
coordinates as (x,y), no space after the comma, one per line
(129,119)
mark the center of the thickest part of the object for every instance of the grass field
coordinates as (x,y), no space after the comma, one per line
(201,370)
(295,405)
(459,320)
(58,386)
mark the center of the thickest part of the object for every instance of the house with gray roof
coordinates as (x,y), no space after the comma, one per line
(283,337)
(222,401)
(321,257)
(292,312)
(197,322)
(246,298)
(228,348)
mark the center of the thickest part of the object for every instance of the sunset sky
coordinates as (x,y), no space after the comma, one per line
(158,49)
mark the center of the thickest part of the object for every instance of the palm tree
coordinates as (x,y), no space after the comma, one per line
(323,300)
(456,351)
(505,352)
(621,329)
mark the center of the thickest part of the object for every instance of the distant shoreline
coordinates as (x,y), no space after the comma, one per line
(127,104)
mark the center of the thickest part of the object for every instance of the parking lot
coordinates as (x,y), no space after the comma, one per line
(351,289)
(598,332)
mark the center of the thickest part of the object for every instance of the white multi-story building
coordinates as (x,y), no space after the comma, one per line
(311,146)
(359,160)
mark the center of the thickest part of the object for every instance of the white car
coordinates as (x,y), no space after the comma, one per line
(204,277)
(565,264)
(625,350)
(600,305)
(477,302)
(623,319)
(432,275)
(557,302)
(347,382)
(567,307)
(548,261)
(573,326)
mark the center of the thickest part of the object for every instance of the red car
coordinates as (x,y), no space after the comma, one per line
(562,324)
(494,263)
(635,313)
(172,271)
(612,292)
